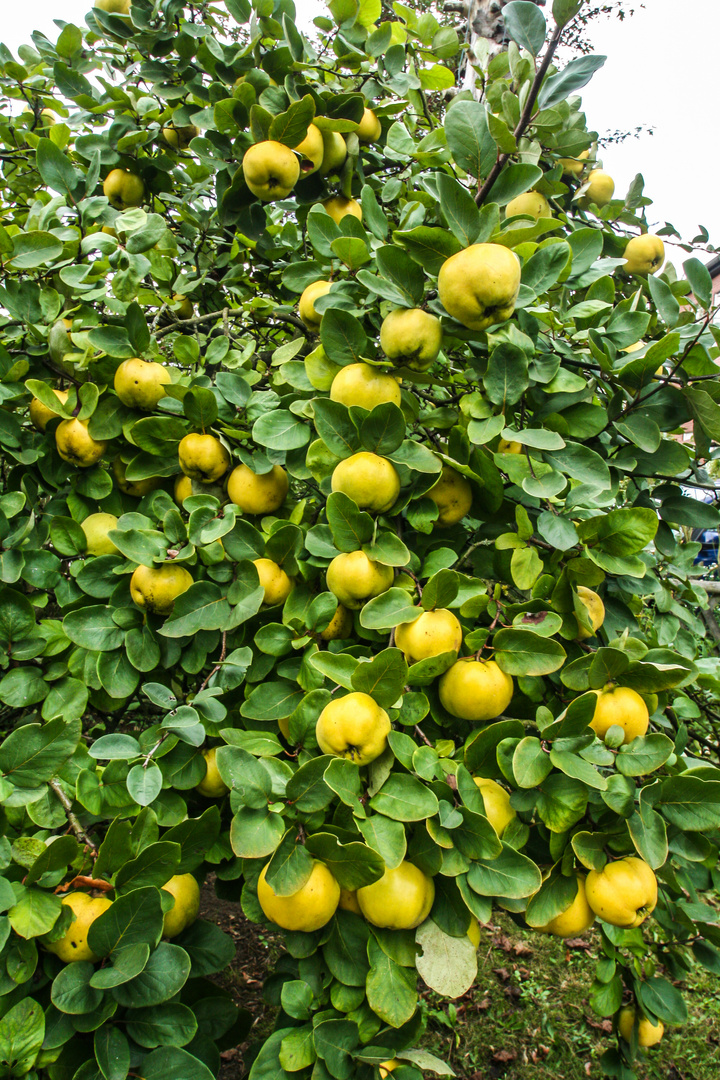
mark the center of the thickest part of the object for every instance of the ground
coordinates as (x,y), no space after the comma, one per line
(526,1018)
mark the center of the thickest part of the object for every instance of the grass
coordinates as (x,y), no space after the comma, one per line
(528,1017)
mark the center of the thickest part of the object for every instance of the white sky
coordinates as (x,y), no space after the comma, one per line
(660,72)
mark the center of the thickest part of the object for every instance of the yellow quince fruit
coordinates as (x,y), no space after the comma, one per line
(370,480)
(479,286)
(400,900)
(432,633)
(623,893)
(475,690)
(258,493)
(311,907)
(353,727)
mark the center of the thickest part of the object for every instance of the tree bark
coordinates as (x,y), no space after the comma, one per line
(485,36)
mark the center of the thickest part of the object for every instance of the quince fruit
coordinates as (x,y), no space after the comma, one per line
(575,919)
(386,1067)
(76,445)
(649,1034)
(475,689)
(600,190)
(509,446)
(311,151)
(138,488)
(479,286)
(182,489)
(432,633)
(113,7)
(412,337)
(186,891)
(595,609)
(623,893)
(274,580)
(334,152)
(531,204)
(123,189)
(203,457)
(96,528)
(311,907)
(271,170)
(370,129)
(452,495)
(180,137)
(306,305)
(73,945)
(340,626)
(212,785)
(355,579)
(184,308)
(353,727)
(156,588)
(400,900)
(644,254)
(575,166)
(40,414)
(365,386)
(498,810)
(140,384)
(338,207)
(258,493)
(371,481)
(622,706)
(349,902)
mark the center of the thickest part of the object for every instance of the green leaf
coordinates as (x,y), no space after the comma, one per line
(22,1032)
(133,919)
(573,76)
(17,617)
(448,965)
(507,377)
(429,246)
(391,989)
(523,652)
(562,801)
(280,430)
(389,609)
(700,281)
(35,913)
(621,532)
(525,24)
(290,128)
(155,865)
(665,302)
(511,874)
(112,1052)
(383,677)
(343,337)
(254,834)
(662,1000)
(173,1063)
(383,431)
(56,170)
(351,527)
(530,763)
(513,181)
(33,754)
(404,798)
(469,138)
(353,865)
(691,803)
(458,208)
(335,427)
(565,10)
(201,607)
(644,754)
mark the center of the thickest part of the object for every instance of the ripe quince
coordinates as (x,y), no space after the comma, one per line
(575,919)
(212,785)
(339,207)
(185,911)
(40,414)
(622,706)
(649,1034)
(334,152)
(76,445)
(370,128)
(138,488)
(355,579)
(311,907)
(432,633)
(73,945)
(311,151)
(123,189)
(400,900)
(644,254)
(271,170)
(274,580)
(370,480)
(203,458)
(412,337)
(475,689)
(353,727)
(365,386)
(258,493)
(531,204)
(623,893)
(600,190)
(479,286)
(96,528)
(140,383)
(595,609)
(340,626)
(452,495)
(156,588)
(306,304)
(498,810)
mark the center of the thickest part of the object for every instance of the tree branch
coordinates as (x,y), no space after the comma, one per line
(75,825)
(526,114)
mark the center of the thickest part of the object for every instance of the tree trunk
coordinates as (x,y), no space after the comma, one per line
(485,37)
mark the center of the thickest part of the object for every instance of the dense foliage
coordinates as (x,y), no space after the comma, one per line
(177,670)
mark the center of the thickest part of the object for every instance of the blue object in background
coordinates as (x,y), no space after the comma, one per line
(708,554)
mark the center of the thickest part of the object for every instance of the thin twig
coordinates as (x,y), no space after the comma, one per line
(219,663)
(75,825)
(526,115)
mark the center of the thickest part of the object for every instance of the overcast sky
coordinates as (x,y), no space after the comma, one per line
(660,73)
